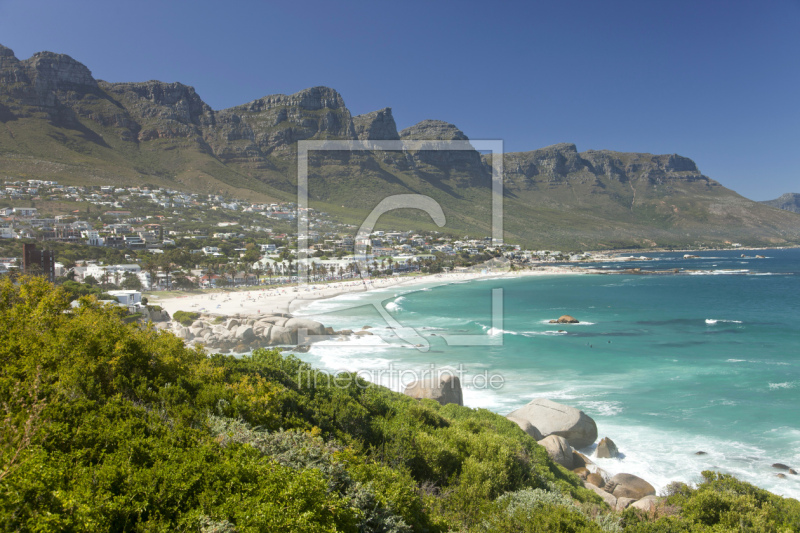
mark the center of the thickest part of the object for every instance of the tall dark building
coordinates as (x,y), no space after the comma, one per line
(38,262)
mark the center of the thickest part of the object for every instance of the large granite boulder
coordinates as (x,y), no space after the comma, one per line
(629,486)
(606,449)
(444,389)
(559,450)
(245,334)
(280,335)
(552,418)
(623,503)
(648,503)
(312,327)
(527,427)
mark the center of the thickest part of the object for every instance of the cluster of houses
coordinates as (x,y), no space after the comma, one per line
(113,217)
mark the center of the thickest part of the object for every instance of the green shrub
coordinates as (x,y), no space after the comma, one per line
(185,318)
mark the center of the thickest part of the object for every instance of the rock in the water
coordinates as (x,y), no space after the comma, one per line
(782,476)
(527,427)
(792,471)
(781,466)
(444,389)
(648,503)
(552,418)
(559,450)
(567,319)
(608,498)
(606,449)
(701,453)
(629,486)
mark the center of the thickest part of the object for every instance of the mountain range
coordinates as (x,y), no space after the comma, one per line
(58,122)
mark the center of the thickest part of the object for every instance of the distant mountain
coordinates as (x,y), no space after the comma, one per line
(58,122)
(789,202)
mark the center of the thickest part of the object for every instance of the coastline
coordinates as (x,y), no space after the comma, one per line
(290,299)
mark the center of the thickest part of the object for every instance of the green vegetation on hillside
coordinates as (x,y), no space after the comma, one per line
(110,427)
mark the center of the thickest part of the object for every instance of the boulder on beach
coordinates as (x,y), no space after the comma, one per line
(552,418)
(312,327)
(629,486)
(282,335)
(232,324)
(527,427)
(559,450)
(606,449)
(245,334)
(444,389)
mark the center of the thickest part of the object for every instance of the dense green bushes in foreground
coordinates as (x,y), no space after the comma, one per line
(107,427)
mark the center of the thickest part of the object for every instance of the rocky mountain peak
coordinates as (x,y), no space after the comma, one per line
(311,99)
(57,72)
(433,130)
(376,126)
(6,52)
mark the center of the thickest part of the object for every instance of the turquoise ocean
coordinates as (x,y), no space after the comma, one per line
(667,365)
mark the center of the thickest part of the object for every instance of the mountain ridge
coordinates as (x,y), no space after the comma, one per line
(789,201)
(57,121)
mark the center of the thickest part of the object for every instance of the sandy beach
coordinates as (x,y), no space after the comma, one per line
(292,298)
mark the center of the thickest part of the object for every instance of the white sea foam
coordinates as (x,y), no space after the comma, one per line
(537,333)
(601,408)
(662,456)
(784,385)
(736,360)
(712,321)
(498,331)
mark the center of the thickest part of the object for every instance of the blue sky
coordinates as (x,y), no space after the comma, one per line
(717,81)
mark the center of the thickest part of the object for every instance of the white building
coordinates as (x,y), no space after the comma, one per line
(128,298)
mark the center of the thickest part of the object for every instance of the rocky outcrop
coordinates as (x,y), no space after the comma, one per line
(466,166)
(249,133)
(562,162)
(158,110)
(629,486)
(565,319)
(242,335)
(551,418)
(376,126)
(559,450)
(444,389)
(606,449)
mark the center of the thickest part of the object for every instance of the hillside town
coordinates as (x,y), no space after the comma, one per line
(141,238)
